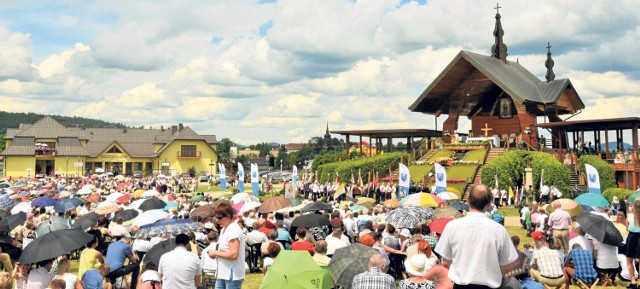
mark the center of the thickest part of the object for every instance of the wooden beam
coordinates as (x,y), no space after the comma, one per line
(495,104)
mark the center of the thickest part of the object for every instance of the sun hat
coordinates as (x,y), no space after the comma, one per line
(405,233)
(418,264)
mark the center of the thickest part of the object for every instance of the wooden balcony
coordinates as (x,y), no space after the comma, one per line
(189,155)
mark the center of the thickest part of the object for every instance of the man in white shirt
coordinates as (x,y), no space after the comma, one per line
(350,227)
(585,243)
(180,268)
(255,236)
(544,194)
(475,248)
(336,240)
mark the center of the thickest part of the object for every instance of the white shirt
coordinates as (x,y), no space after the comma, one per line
(544,191)
(477,247)
(583,241)
(523,213)
(334,244)
(69,280)
(622,260)
(607,256)
(256,237)
(208,264)
(38,279)
(179,268)
(225,266)
(141,245)
(350,226)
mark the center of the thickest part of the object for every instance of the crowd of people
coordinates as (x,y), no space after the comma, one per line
(473,251)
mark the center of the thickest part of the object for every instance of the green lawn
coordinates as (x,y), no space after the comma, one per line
(419,171)
(441,154)
(476,155)
(461,172)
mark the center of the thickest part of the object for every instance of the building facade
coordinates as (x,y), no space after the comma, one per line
(47,147)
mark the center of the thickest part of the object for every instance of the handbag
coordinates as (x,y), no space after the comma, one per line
(209,279)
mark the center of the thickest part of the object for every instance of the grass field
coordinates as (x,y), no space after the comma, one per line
(441,154)
(476,155)
(419,171)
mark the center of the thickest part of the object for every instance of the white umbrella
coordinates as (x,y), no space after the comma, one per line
(21,207)
(447,196)
(89,187)
(243,197)
(161,176)
(114,196)
(136,204)
(150,217)
(149,194)
(249,206)
(84,191)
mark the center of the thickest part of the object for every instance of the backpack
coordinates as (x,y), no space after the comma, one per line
(498,218)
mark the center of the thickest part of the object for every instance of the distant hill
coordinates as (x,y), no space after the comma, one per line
(14,119)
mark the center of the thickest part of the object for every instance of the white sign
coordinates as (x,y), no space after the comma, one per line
(77,164)
(164,164)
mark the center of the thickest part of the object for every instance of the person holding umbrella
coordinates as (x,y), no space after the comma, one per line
(632,248)
(40,277)
(231,249)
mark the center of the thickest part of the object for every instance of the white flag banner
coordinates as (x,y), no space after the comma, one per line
(404,179)
(240,178)
(593,179)
(441,178)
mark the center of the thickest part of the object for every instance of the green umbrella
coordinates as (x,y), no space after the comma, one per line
(633,197)
(196,198)
(592,200)
(294,269)
(294,202)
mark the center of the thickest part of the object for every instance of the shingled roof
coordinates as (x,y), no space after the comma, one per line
(21,146)
(511,77)
(68,146)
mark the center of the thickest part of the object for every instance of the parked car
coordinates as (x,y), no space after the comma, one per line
(137,174)
(203,178)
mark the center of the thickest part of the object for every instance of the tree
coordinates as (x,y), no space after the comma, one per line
(224,148)
(282,157)
(243,159)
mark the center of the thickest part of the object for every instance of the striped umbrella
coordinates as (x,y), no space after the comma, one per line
(447,196)
(422,200)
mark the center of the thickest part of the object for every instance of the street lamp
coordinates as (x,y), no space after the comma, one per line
(211,163)
(280,165)
(267,158)
(626,173)
(67,171)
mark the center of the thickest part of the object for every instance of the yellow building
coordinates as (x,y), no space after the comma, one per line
(47,147)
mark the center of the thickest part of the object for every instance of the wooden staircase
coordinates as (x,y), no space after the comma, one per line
(491,155)
(428,155)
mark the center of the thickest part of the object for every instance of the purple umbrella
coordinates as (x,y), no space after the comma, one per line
(43,202)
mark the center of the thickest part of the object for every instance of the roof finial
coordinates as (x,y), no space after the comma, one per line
(499,49)
(550,76)
(327,135)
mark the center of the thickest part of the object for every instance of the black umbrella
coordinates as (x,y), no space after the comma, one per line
(600,228)
(460,206)
(54,244)
(318,225)
(126,215)
(152,204)
(350,261)
(53,224)
(86,221)
(63,205)
(317,206)
(9,223)
(153,255)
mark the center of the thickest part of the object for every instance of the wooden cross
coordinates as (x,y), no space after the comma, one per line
(486,129)
(497,8)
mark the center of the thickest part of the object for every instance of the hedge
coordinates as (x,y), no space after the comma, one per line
(328,157)
(605,171)
(619,192)
(380,164)
(509,167)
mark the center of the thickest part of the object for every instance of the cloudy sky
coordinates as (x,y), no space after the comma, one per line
(279,70)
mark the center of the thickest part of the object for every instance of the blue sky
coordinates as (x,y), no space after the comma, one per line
(279,70)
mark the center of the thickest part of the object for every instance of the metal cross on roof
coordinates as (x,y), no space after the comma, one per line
(497,8)
(549,47)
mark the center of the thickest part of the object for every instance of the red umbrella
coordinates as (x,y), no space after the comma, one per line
(123,199)
(121,186)
(439,224)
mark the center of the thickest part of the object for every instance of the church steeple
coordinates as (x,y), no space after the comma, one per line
(327,135)
(499,49)
(550,76)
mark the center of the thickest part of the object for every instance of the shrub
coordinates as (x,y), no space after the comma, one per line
(510,166)
(328,157)
(618,192)
(605,171)
(380,164)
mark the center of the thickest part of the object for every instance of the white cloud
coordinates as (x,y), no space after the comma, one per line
(15,56)
(56,64)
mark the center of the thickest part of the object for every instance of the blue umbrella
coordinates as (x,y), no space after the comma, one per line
(6,202)
(43,202)
(170,205)
(460,206)
(66,204)
(168,227)
(592,200)
(357,207)
(53,224)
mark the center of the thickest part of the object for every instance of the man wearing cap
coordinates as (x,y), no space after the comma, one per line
(117,252)
(180,268)
(477,250)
